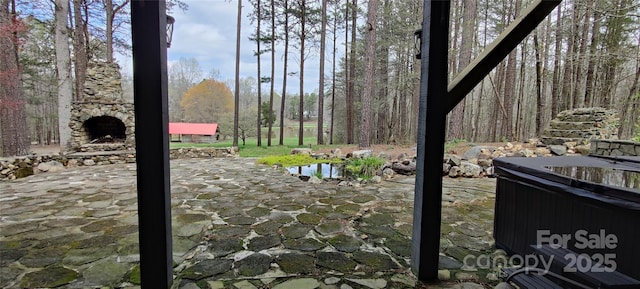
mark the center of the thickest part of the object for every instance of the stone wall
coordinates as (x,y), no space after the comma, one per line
(17,167)
(614,148)
(581,126)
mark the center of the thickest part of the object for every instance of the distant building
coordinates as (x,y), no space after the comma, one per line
(193,132)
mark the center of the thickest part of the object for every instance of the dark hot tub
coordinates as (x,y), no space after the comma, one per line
(589,205)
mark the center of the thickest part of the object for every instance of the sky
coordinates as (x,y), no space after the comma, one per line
(207,32)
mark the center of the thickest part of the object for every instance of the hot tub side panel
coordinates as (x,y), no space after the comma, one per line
(524,206)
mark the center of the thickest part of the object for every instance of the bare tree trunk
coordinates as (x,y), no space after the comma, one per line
(273,66)
(555,86)
(629,110)
(111,12)
(302,41)
(521,124)
(13,120)
(79,49)
(258,53)
(455,12)
(539,98)
(333,78)
(630,105)
(481,91)
(405,93)
(352,74)
(236,103)
(284,73)
(568,74)
(578,95)
(546,44)
(592,59)
(468,27)
(63,65)
(323,36)
(510,83)
(382,103)
(369,74)
(108,7)
(498,108)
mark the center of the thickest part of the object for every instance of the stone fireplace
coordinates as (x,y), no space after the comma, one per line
(103,120)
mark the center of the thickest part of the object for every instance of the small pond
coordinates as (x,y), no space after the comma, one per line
(332,171)
(600,175)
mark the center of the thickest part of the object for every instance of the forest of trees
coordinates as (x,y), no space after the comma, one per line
(586,53)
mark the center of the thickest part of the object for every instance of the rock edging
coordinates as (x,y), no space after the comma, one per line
(23,166)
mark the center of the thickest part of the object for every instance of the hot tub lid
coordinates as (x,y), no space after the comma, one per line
(617,178)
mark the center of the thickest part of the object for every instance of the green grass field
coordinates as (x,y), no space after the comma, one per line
(251,149)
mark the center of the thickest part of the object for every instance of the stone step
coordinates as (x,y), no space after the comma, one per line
(586,114)
(567,125)
(584,118)
(560,140)
(585,134)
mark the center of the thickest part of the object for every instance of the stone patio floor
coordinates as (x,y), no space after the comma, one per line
(235,224)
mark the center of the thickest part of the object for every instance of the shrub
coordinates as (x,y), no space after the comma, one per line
(364,168)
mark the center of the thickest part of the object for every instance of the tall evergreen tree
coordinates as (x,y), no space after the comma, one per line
(13,120)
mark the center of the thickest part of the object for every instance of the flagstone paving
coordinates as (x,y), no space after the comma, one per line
(235,224)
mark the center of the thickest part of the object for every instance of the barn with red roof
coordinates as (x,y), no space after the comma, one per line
(193,132)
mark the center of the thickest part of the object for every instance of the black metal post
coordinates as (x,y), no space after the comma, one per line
(149,41)
(431,137)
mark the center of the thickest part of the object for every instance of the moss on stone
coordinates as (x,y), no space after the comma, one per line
(282,218)
(345,243)
(262,243)
(99,225)
(336,261)
(207,196)
(304,244)
(319,209)
(295,263)
(333,201)
(348,208)
(295,231)
(267,228)
(48,278)
(309,219)
(289,207)
(258,212)
(399,245)
(24,172)
(375,261)
(363,198)
(191,218)
(121,231)
(240,220)
(253,265)
(330,228)
(10,245)
(134,275)
(379,219)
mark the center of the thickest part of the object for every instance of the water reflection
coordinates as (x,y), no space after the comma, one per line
(605,176)
(328,170)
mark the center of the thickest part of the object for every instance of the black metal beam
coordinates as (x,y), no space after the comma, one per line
(498,50)
(149,41)
(431,136)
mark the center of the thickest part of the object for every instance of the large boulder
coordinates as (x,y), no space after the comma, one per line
(361,154)
(301,151)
